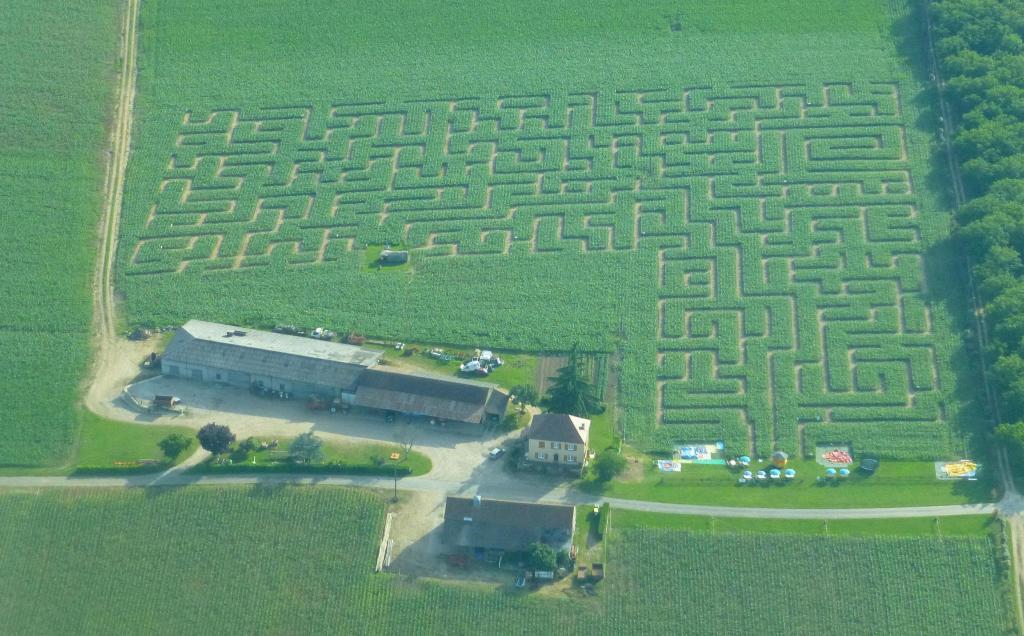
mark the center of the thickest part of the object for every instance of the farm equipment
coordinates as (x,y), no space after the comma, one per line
(439,354)
(323,334)
(140,334)
(482,363)
(458,560)
(167,403)
(316,403)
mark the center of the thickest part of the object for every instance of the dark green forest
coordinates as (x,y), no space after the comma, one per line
(980,49)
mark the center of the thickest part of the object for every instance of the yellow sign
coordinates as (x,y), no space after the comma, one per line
(395,456)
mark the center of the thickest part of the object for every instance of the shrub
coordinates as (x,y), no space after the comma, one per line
(609,464)
(541,556)
(602,519)
(174,444)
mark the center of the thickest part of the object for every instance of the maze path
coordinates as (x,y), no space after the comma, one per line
(783,219)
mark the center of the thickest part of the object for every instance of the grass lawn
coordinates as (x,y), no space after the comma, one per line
(602,430)
(337,459)
(115,446)
(894,484)
(966,525)
(109,446)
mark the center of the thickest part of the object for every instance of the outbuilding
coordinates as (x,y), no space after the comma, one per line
(249,358)
(447,399)
(214,352)
(490,524)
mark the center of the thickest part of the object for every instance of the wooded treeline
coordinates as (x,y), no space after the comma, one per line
(980,51)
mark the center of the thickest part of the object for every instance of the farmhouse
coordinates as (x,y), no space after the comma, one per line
(559,440)
(441,398)
(218,353)
(489,524)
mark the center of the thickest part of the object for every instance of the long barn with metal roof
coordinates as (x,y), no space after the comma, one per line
(219,353)
(214,352)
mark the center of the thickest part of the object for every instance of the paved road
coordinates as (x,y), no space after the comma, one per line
(523,492)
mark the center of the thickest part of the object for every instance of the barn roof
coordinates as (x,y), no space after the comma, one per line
(276,355)
(444,398)
(556,427)
(507,525)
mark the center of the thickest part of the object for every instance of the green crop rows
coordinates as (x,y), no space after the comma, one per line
(54,95)
(738,583)
(300,560)
(780,223)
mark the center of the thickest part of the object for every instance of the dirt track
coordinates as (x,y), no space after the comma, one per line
(109,360)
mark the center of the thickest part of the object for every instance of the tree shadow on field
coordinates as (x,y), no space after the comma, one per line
(909,33)
(964,402)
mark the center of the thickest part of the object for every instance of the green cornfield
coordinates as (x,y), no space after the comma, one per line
(798,584)
(55,94)
(300,560)
(739,201)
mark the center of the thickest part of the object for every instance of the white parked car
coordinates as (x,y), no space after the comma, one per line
(469,367)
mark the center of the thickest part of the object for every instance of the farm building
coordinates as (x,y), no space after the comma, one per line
(558,440)
(489,524)
(441,398)
(213,352)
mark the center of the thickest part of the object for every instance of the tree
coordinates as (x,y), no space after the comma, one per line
(405,437)
(571,391)
(1012,436)
(215,438)
(174,444)
(564,560)
(609,464)
(306,448)
(525,395)
(540,556)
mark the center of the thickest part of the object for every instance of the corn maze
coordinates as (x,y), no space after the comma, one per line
(783,220)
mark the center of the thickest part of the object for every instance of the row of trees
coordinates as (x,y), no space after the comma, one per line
(980,48)
(218,439)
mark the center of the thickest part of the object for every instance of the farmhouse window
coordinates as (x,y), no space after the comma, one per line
(542,456)
(570,459)
(540,444)
(556,445)
(570,447)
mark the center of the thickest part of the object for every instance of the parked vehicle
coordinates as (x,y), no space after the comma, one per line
(495,453)
(167,403)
